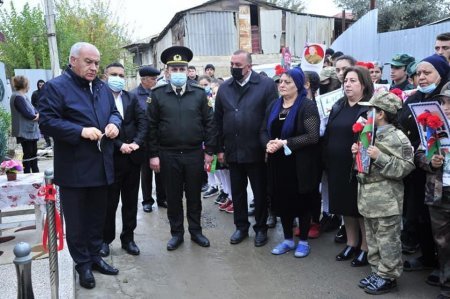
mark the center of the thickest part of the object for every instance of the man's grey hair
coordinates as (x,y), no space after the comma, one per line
(248,55)
(75,49)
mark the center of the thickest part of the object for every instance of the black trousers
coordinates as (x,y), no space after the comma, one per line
(147,185)
(182,170)
(257,173)
(126,187)
(84,214)
(29,148)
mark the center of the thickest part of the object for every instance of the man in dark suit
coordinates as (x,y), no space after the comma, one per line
(143,92)
(240,107)
(128,157)
(77,109)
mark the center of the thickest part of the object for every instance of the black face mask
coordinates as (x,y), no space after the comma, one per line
(236,73)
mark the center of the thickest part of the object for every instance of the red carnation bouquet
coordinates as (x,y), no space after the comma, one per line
(431,123)
(365,131)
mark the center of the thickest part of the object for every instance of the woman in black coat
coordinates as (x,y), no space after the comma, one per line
(339,137)
(290,133)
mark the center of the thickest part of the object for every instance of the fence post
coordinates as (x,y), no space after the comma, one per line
(52,240)
(23,269)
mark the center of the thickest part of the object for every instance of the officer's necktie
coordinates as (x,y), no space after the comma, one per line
(178,91)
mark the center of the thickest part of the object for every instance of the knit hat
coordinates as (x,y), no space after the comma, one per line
(445,91)
(439,63)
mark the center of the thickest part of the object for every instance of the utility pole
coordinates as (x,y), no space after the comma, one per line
(51,34)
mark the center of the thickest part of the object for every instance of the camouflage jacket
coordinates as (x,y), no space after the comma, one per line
(433,185)
(380,193)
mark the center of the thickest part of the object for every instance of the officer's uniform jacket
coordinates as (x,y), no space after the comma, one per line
(180,122)
(380,192)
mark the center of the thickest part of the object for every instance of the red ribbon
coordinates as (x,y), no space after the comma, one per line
(49,192)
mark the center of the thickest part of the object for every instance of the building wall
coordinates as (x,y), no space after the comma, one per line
(270,23)
(211,33)
(363,42)
(302,29)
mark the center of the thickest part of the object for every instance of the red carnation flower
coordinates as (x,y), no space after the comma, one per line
(434,122)
(422,118)
(357,127)
(398,92)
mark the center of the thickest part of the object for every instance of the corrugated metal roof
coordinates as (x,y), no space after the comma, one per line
(270,21)
(211,33)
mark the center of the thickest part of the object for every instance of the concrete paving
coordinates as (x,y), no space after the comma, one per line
(231,271)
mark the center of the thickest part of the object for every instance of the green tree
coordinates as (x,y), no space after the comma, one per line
(295,5)
(26,43)
(400,14)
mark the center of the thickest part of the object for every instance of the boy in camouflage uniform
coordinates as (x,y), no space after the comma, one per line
(437,197)
(380,194)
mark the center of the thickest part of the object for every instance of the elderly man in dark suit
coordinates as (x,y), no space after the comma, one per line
(128,157)
(143,92)
(78,111)
(240,107)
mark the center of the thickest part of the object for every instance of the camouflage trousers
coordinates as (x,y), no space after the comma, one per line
(385,247)
(440,223)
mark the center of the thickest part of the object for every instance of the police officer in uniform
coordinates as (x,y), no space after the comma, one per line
(149,76)
(180,122)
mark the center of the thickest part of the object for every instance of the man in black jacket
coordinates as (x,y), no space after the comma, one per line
(128,157)
(149,76)
(180,122)
(241,103)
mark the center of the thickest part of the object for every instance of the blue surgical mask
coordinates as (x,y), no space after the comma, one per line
(207,89)
(427,89)
(116,83)
(178,79)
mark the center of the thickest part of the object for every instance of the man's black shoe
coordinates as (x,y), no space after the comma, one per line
(261,238)
(366,280)
(102,267)
(238,236)
(341,235)
(147,208)
(174,242)
(329,222)
(200,239)
(131,248)
(104,250)
(87,279)
(380,285)
(162,204)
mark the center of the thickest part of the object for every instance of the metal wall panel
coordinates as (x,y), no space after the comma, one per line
(270,27)
(301,29)
(211,33)
(163,44)
(363,42)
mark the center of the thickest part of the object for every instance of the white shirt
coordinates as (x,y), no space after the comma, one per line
(119,103)
(245,81)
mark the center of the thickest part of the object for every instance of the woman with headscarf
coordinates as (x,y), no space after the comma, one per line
(432,73)
(290,133)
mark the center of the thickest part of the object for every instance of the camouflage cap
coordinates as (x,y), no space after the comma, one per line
(445,91)
(402,60)
(384,100)
(412,68)
(327,73)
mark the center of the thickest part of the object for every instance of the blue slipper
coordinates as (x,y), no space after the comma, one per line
(282,248)
(302,250)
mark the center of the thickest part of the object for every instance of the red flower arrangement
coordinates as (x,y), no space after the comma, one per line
(398,92)
(357,127)
(279,70)
(367,65)
(431,123)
